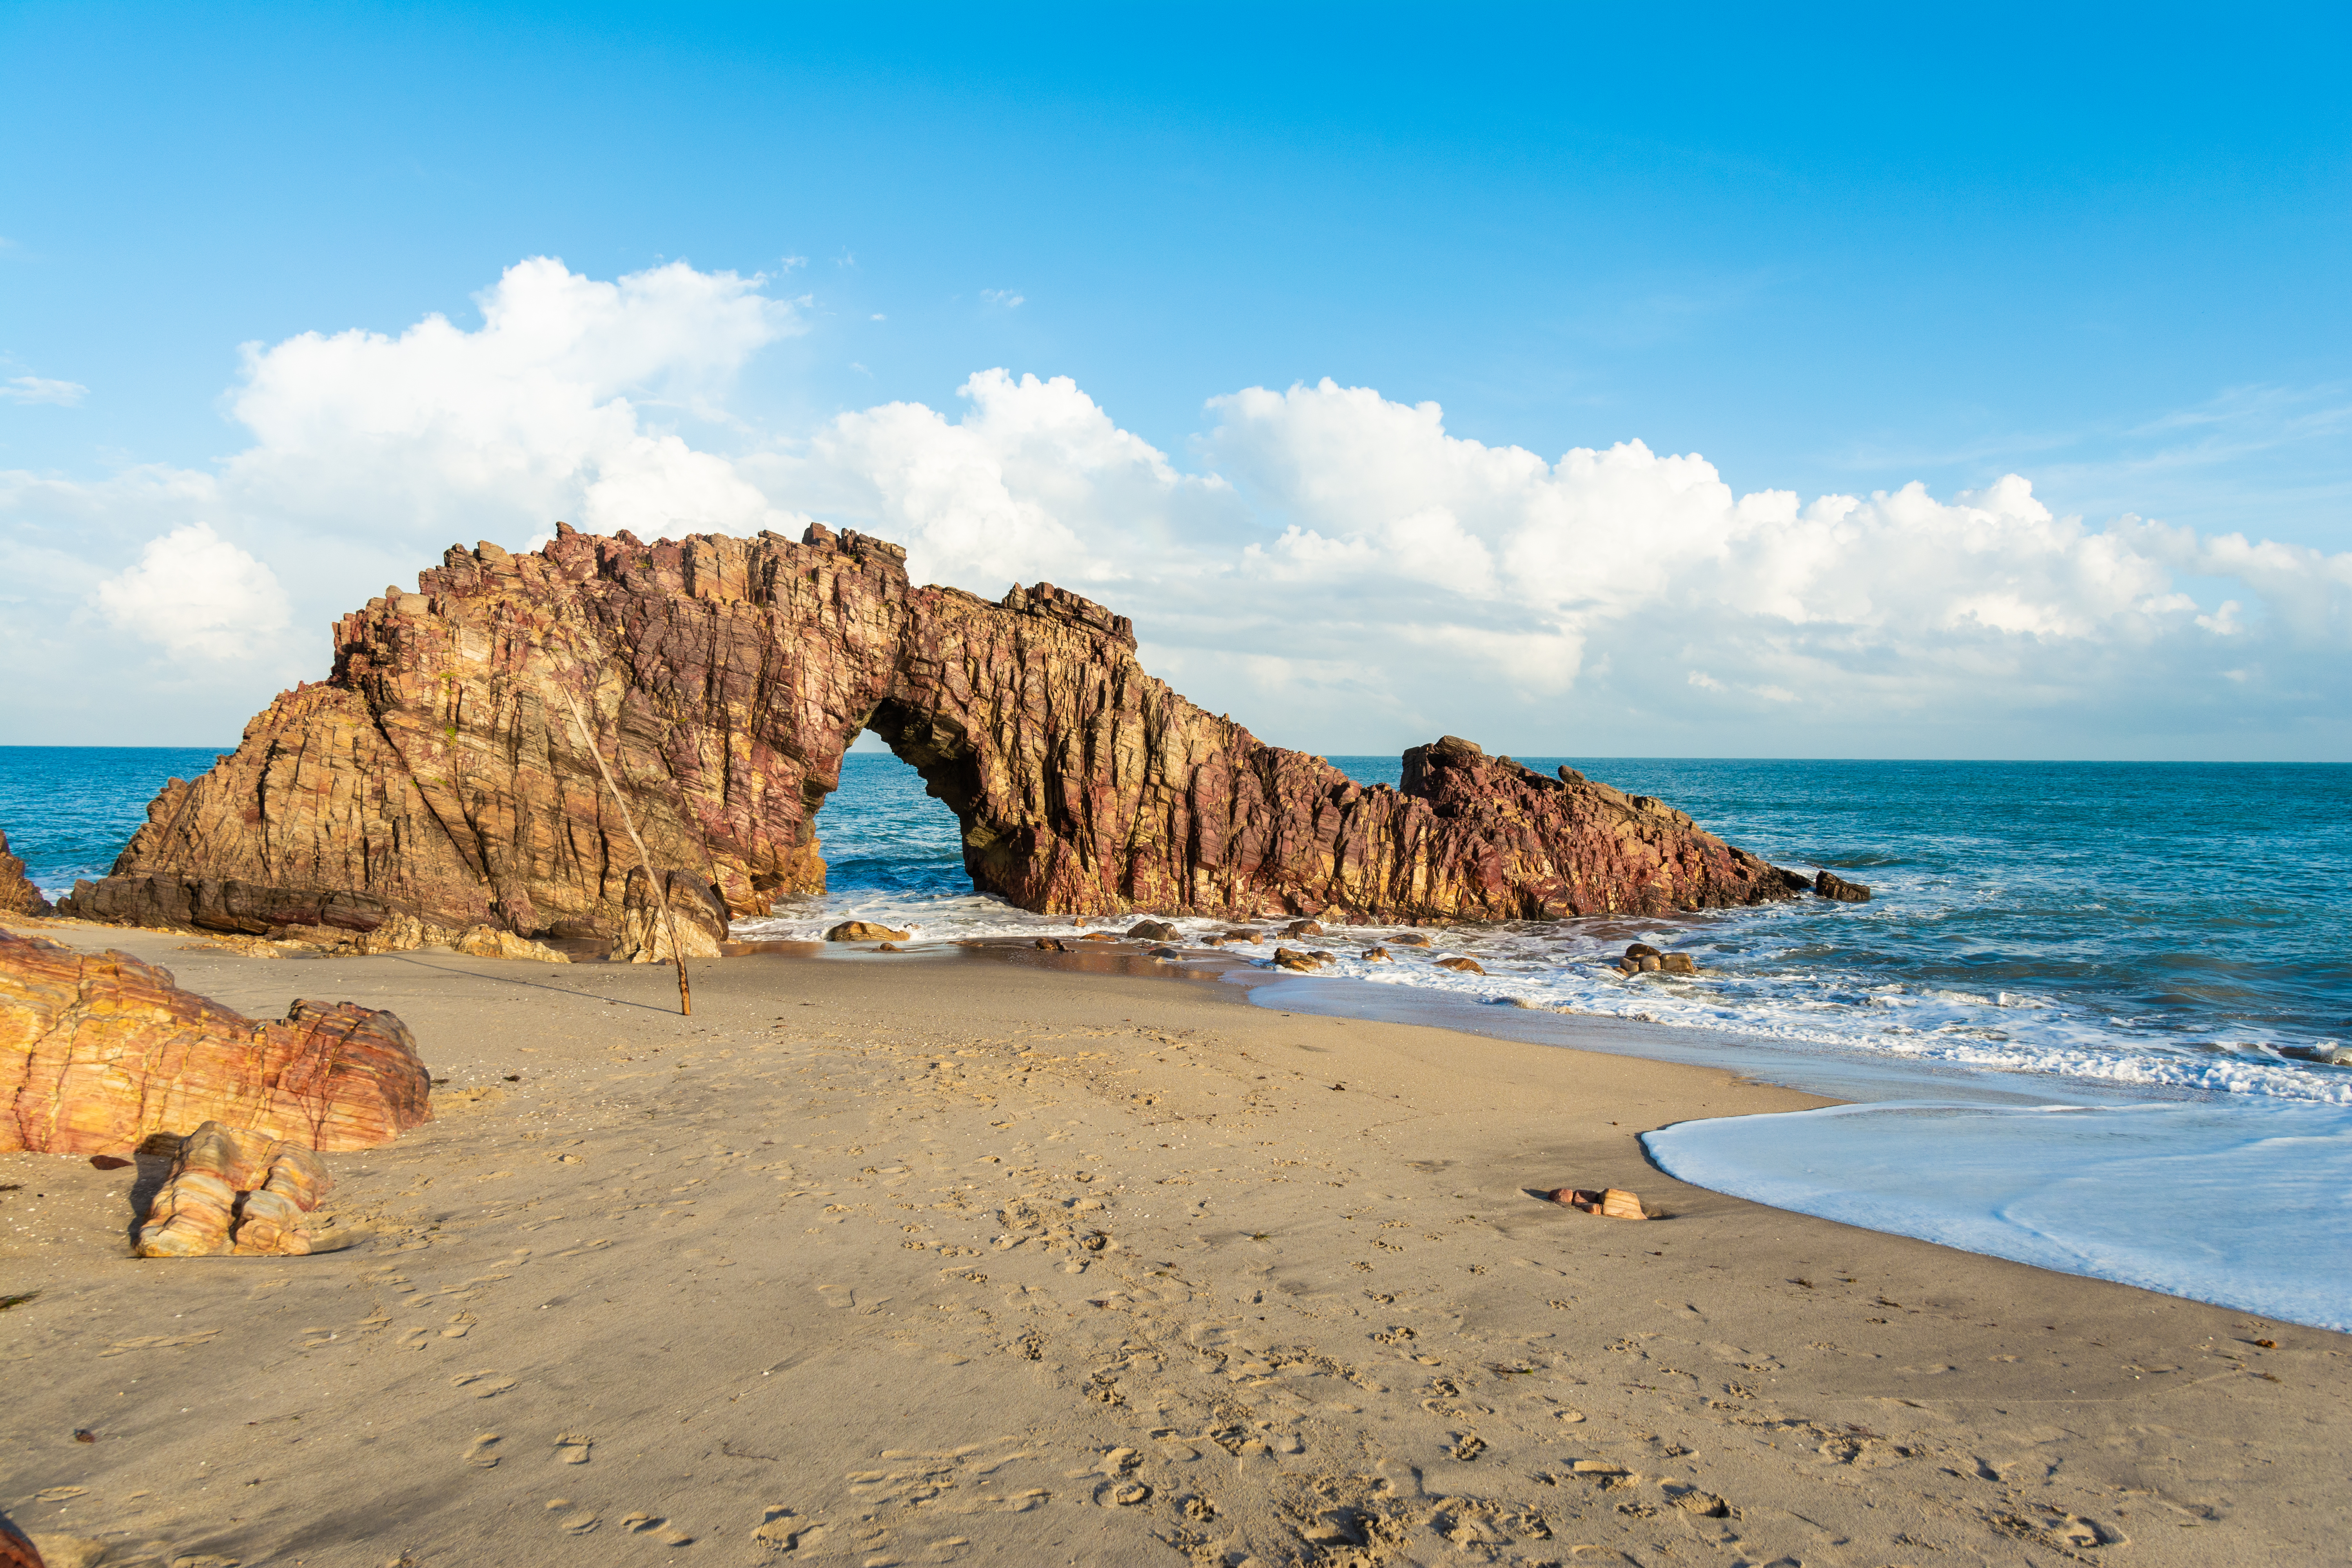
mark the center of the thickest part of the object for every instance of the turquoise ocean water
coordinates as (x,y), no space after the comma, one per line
(2083,993)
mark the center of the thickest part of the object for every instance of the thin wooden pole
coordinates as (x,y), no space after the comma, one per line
(660,882)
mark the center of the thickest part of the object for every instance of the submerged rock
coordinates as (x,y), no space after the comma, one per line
(440,771)
(1467,965)
(100,1051)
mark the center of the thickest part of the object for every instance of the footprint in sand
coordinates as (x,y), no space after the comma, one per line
(578,1521)
(490,1390)
(648,1524)
(479,1455)
(572,1449)
(781,1530)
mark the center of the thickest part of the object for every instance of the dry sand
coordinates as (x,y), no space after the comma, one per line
(939,1257)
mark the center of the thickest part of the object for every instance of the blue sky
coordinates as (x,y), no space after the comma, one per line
(1833,253)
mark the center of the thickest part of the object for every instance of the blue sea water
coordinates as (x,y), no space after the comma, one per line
(2162,951)
(69,810)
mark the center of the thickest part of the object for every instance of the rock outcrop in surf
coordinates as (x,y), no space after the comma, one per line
(445,771)
(18,894)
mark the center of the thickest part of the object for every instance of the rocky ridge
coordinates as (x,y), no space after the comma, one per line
(443,774)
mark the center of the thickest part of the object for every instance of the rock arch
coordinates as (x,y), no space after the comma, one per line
(438,772)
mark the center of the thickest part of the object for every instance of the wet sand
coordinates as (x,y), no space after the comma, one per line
(942,1257)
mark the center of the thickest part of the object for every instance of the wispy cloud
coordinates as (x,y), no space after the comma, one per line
(1004,299)
(35,389)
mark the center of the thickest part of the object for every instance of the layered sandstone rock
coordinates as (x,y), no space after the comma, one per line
(235,1190)
(866,930)
(18,894)
(696,913)
(440,774)
(98,1051)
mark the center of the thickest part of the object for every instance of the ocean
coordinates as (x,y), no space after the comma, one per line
(2098,1016)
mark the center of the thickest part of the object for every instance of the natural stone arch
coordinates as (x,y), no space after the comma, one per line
(435,773)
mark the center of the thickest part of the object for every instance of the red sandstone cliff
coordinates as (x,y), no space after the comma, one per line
(440,771)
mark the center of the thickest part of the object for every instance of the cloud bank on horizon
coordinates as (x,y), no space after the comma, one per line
(1337,569)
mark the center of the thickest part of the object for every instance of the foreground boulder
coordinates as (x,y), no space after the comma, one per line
(440,771)
(100,1051)
(233,1190)
(1611,1203)
(18,894)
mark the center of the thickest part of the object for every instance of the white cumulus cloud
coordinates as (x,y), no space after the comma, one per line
(1338,568)
(197,595)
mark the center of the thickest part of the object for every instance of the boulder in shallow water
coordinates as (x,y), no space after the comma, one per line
(18,894)
(1303,928)
(1153,931)
(1411,938)
(1830,885)
(101,1051)
(867,931)
(1466,965)
(1377,955)
(235,1190)
(1305,960)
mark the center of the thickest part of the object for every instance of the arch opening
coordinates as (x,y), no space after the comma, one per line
(901,824)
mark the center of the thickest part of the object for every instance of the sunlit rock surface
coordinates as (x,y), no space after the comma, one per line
(442,773)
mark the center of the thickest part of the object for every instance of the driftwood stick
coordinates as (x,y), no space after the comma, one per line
(660,882)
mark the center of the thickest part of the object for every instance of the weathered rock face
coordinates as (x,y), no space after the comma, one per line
(696,913)
(98,1051)
(440,773)
(233,1190)
(18,894)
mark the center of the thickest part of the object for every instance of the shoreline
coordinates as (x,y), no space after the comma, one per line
(816,1262)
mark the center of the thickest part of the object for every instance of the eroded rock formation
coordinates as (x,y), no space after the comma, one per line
(235,1190)
(98,1051)
(696,913)
(18,894)
(441,773)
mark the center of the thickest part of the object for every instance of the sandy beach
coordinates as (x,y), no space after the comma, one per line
(951,1257)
